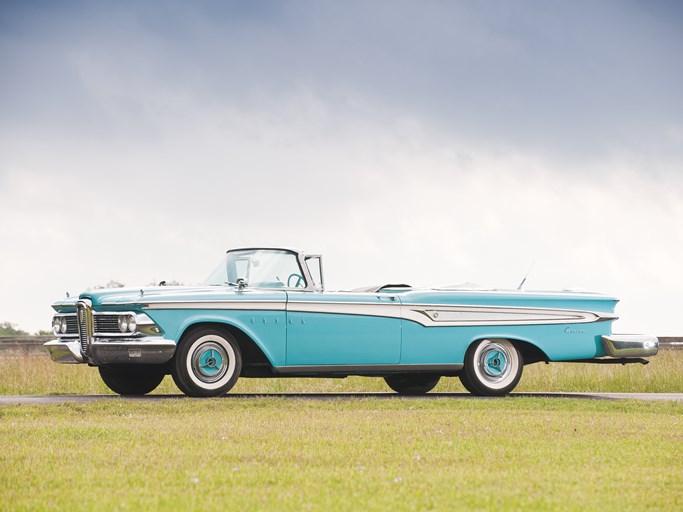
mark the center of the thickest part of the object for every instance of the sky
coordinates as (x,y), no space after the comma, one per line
(425,142)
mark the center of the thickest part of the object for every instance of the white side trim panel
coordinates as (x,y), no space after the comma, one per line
(446,315)
(428,315)
(495,315)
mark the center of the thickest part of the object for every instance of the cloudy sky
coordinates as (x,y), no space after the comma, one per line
(428,142)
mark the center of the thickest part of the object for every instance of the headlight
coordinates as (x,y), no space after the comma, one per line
(123,323)
(127,323)
(131,323)
(56,325)
(59,325)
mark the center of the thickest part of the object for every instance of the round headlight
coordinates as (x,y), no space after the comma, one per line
(62,325)
(132,325)
(56,324)
(123,323)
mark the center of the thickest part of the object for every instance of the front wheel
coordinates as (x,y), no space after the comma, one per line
(207,363)
(412,384)
(492,368)
(131,380)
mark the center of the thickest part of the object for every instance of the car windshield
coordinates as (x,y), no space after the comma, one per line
(260,268)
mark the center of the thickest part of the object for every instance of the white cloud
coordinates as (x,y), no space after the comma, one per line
(401,158)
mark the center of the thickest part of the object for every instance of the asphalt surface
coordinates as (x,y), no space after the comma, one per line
(60,399)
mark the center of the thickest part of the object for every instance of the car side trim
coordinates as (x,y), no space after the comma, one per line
(427,315)
(256,305)
(367,369)
(444,315)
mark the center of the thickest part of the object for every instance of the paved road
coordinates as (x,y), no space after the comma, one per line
(59,399)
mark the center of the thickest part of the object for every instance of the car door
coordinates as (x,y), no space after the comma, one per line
(342,328)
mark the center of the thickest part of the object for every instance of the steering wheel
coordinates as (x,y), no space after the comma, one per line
(298,280)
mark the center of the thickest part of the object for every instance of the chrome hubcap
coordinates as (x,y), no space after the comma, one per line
(495,362)
(210,362)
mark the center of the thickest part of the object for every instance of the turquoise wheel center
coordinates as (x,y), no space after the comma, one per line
(210,362)
(495,362)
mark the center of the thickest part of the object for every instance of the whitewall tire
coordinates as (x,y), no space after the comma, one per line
(492,367)
(207,363)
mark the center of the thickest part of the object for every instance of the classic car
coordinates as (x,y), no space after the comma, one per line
(264,312)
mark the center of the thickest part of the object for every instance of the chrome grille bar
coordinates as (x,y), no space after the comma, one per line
(86,325)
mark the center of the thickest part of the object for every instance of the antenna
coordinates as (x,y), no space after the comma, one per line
(527,275)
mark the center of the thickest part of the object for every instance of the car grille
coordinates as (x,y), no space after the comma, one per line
(85,326)
(107,324)
(71,324)
(104,324)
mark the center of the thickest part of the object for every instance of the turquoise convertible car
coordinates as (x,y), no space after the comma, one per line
(264,312)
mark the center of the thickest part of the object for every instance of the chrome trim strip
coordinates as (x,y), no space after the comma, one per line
(630,345)
(383,309)
(367,369)
(256,305)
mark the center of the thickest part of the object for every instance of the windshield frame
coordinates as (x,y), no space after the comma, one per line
(300,260)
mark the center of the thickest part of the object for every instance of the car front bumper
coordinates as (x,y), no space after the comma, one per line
(145,350)
(630,345)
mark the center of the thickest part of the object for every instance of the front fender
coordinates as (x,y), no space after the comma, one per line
(267,329)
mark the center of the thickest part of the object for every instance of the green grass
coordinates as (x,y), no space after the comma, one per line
(39,375)
(342,454)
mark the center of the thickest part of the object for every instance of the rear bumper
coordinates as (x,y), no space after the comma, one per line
(630,345)
(146,350)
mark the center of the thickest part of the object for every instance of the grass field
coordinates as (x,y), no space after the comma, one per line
(275,453)
(342,454)
(21,375)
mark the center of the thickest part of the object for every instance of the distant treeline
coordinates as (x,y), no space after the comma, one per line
(9,329)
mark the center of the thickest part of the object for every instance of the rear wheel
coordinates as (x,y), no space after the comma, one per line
(207,363)
(492,368)
(412,383)
(131,380)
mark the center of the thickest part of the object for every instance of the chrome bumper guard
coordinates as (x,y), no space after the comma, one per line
(630,345)
(146,350)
